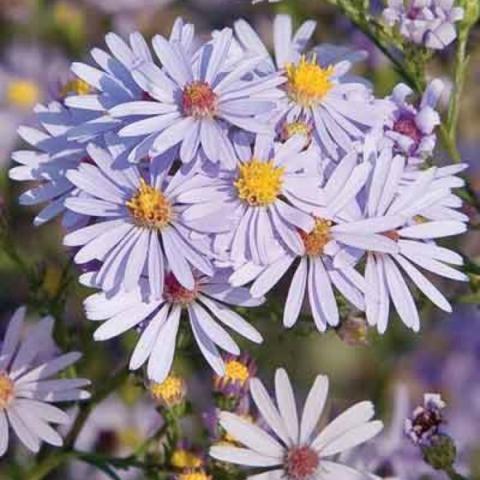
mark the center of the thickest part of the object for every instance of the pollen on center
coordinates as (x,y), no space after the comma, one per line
(149,207)
(259,183)
(6,391)
(308,82)
(199,100)
(316,240)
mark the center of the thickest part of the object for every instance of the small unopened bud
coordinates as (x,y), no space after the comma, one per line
(354,331)
(441,452)
(171,392)
(426,420)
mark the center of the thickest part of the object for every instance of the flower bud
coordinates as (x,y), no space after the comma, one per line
(354,331)
(170,393)
(441,452)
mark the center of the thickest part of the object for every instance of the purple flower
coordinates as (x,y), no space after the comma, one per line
(194,100)
(318,92)
(268,195)
(425,22)
(137,225)
(158,319)
(409,129)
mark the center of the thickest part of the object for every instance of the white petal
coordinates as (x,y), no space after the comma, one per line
(286,403)
(313,408)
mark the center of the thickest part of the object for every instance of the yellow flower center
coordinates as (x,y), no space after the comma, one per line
(308,82)
(316,240)
(184,459)
(296,128)
(198,475)
(77,86)
(259,183)
(6,391)
(23,94)
(130,437)
(150,208)
(171,391)
(236,371)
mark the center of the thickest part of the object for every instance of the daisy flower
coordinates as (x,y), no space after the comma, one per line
(137,224)
(268,193)
(334,228)
(318,92)
(47,165)
(292,448)
(410,129)
(28,386)
(415,236)
(206,304)
(194,99)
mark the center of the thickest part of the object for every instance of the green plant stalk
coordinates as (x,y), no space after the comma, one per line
(453,475)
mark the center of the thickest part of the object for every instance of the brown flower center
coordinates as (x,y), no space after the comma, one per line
(316,240)
(199,100)
(301,463)
(175,293)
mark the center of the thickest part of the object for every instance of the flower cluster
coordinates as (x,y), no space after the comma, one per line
(193,177)
(425,22)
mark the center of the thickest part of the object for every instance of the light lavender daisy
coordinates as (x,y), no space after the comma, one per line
(410,128)
(28,387)
(334,228)
(53,155)
(415,236)
(318,93)
(158,319)
(268,195)
(425,22)
(137,225)
(195,99)
(292,448)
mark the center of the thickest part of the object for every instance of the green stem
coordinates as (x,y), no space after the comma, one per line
(453,475)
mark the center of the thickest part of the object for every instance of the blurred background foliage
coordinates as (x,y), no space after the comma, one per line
(39,39)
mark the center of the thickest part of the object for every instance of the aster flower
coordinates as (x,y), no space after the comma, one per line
(28,387)
(415,237)
(425,22)
(268,195)
(48,164)
(159,320)
(137,227)
(334,228)
(169,393)
(194,100)
(318,92)
(291,447)
(410,129)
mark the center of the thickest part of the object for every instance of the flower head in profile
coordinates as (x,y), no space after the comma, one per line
(410,128)
(136,224)
(292,448)
(205,306)
(28,385)
(425,22)
(194,99)
(318,91)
